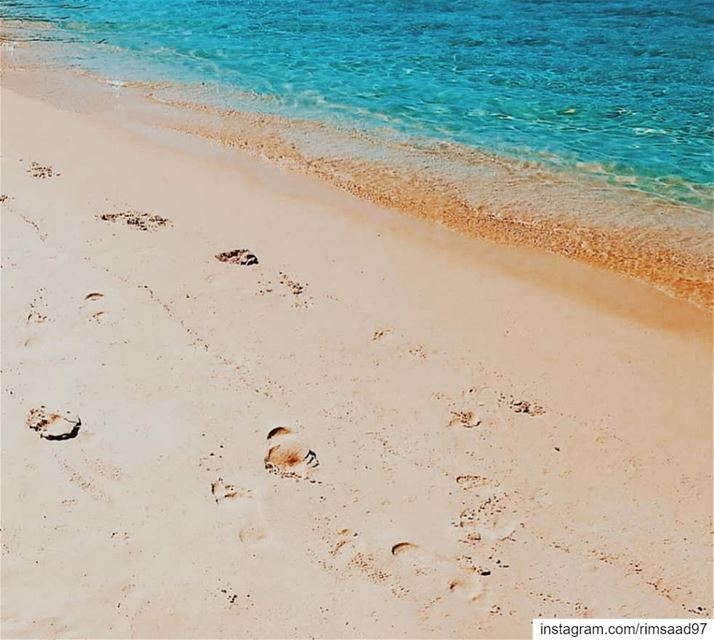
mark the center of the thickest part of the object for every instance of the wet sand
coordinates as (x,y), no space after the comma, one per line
(473,434)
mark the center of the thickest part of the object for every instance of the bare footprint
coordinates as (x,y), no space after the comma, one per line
(222,490)
(526,407)
(37,170)
(413,555)
(483,409)
(62,425)
(86,483)
(468,587)
(418,351)
(140,220)
(403,547)
(297,289)
(288,455)
(37,313)
(241,257)
(92,306)
(252,534)
(466,419)
(381,333)
(350,554)
(440,576)
(492,517)
(244,510)
(468,482)
(293,286)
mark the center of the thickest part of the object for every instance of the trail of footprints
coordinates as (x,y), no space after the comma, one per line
(485,407)
(482,528)
(287,456)
(410,570)
(406,570)
(146,221)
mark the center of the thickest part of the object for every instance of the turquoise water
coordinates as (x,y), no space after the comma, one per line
(620,88)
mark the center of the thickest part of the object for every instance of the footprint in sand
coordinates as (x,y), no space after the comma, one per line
(222,490)
(297,290)
(98,476)
(37,313)
(349,554)
(246,510)
(525,407)
(241,257)
(441,575)
(439,585)
(91,302)
(58,425)
(37,170)
(288,455)
(492,516)
(482,409)
(418,352)
(252,534)
(293,286)
(528,408)
(140,220)
(468,482)
(289,287)
(381,333)
(466,419)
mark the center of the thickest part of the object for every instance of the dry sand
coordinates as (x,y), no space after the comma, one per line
(478,434)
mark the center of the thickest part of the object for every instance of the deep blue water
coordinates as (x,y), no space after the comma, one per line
(622,86)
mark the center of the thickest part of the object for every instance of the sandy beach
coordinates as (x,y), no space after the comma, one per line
(473,434)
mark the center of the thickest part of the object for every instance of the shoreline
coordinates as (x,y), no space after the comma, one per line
(663,244)
(502,433)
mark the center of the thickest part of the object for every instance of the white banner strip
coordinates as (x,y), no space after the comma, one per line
(633,629)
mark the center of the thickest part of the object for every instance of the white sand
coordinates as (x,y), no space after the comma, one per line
(600,506)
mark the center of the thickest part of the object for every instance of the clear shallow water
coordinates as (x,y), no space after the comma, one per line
(618,88)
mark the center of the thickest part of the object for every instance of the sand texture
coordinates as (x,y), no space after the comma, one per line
(238,402)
